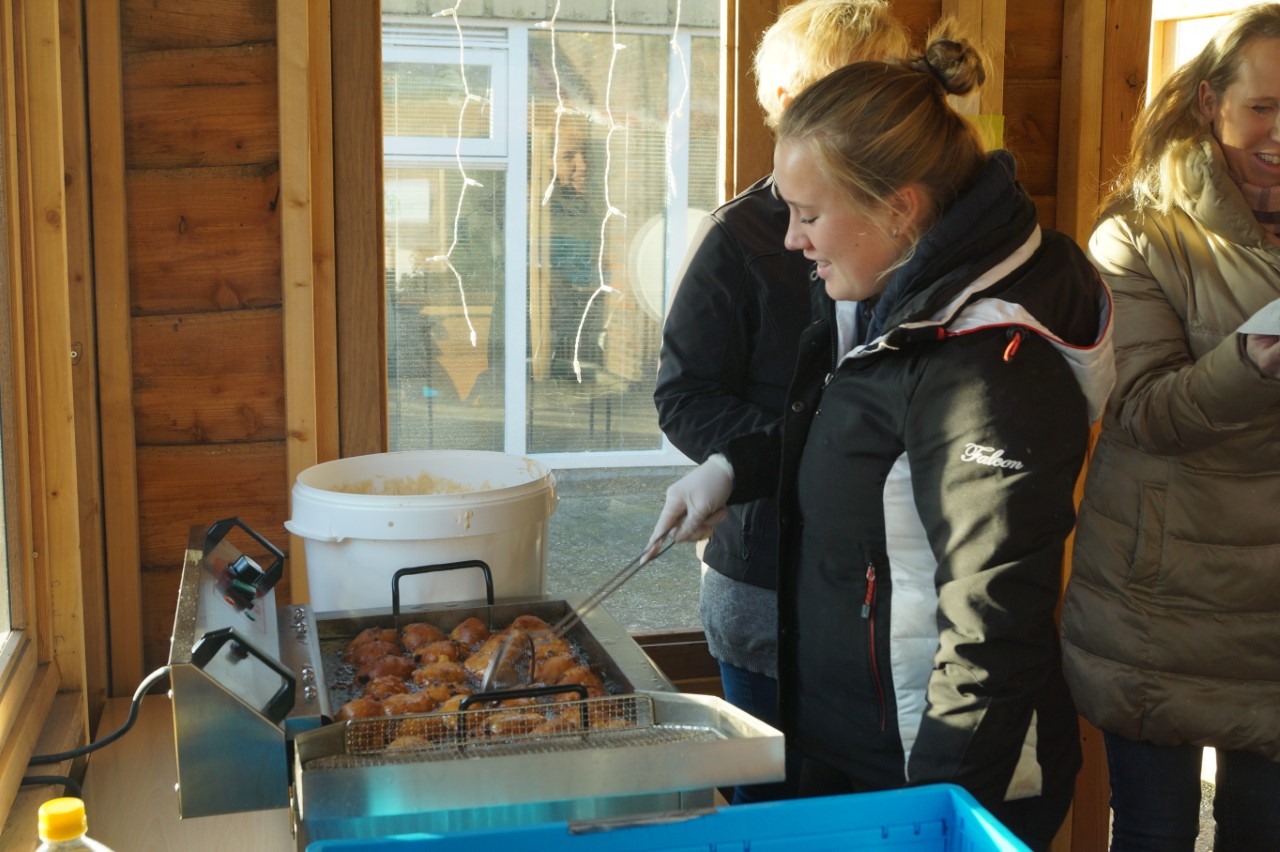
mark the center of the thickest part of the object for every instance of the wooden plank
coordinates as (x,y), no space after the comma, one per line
(201,126)
(20,744)
(84,352)
(184,485)
(61,730)
(58,539)
(918,16)
(358,228)
(1033,40)
(237,65)
(217,230)
(115,367)
(1125,79)
(1046,210)
(748,143)
(151,25)
(209,378)
(17,475)
(1084,34)
(299,299)
(323,238)
(1031,132)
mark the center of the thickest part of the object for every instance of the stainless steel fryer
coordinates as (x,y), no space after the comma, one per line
(254,688)
(675,750)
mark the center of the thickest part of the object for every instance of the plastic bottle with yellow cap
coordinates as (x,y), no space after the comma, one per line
(63,825)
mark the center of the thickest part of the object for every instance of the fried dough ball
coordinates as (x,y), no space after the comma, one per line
(415,635)
(513,723)
(441,672)
(367,652)
(564,724)
(385,686)
(374,634)
(586,677)
(470,634)
(445,650)
(391,664)
(443,691)
(360,708)
(529,624)
(516,652)
(405,742)
(550,646)
(408,702)
(550,669)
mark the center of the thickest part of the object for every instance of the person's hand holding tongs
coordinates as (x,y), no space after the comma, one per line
(695,503)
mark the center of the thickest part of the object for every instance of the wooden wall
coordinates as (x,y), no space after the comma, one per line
(202,283)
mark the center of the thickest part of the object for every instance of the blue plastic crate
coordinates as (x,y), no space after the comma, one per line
(936,818)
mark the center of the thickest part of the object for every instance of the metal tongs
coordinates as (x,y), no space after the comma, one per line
(509,660)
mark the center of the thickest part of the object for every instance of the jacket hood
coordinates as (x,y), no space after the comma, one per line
(987,263)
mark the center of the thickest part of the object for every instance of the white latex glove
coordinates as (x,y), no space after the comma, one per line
(695,502)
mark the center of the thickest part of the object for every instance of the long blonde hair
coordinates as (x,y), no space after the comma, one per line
(876,127)
(1154,174)
(815,37)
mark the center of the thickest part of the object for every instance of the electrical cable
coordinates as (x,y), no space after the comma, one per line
(134,707)
(73,787)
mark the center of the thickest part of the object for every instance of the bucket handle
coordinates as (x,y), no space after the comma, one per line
(429,569)
(293,527)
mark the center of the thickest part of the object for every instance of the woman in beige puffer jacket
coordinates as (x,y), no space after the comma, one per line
(1171,625)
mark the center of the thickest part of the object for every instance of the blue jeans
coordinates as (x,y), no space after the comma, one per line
(1155,798)
(757,694)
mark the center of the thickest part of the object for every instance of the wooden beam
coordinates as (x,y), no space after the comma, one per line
(115,362)
(748,144)
(1084,34)
(57,537)
(358,226)
(84,354)
(320,95)
(297,270)
(1125,79)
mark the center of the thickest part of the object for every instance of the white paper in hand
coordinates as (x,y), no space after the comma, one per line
(1265,321)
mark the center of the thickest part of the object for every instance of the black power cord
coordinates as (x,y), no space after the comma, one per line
(73,787)
(134,707)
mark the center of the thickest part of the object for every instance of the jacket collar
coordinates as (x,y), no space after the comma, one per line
(990,220)
(1213,199)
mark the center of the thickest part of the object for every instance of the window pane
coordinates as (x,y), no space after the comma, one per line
(422,99)
(597,278)
(603,158)
(445,391)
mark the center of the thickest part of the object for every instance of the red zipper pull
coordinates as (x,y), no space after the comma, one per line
(871,591)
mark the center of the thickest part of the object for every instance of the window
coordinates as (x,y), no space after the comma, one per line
(540,186)
(1179,30)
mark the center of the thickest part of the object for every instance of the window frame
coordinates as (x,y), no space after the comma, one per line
(40,480)
(1165,17)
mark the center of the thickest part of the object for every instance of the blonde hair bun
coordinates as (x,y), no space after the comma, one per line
(952,60)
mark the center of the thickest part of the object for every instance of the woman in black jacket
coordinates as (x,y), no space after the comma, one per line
(925,485)
(729,344)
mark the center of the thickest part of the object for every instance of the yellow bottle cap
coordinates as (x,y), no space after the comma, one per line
(62,819)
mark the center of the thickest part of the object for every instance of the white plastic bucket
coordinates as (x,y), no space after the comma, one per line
(363,518)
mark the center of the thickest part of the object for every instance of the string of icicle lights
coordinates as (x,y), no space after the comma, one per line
(602,286)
